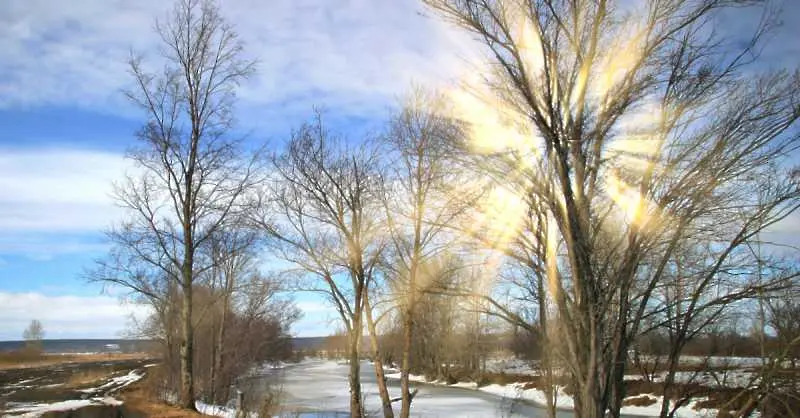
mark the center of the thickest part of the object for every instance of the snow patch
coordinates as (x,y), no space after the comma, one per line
(214,410)
(37,409)
(116,383)
(563,400)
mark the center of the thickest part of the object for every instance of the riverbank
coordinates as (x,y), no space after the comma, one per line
(525,391)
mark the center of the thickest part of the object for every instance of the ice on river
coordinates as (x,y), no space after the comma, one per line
(323,386)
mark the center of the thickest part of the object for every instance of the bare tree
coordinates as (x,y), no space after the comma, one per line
(635,133)
(189,174)
(33,336)
(323,214)
(419,205)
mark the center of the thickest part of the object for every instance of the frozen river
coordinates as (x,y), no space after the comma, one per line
(322,386)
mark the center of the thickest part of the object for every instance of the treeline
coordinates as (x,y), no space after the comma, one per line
(595,189)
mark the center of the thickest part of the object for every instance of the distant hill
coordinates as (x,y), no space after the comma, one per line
(308,343)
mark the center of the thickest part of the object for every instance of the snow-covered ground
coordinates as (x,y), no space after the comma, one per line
(734,378)
(511,366)
(99,395)
(37,409)
(723,361)
(116,383)
(563,401)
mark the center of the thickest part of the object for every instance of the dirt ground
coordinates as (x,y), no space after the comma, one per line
(64,378)
(50,381)
(7,363)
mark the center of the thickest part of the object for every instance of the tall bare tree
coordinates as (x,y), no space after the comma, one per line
(420,203)
(638,133)
(189,174)
(322,210)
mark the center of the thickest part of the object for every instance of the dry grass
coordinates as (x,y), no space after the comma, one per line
(88,377)
(20,356)
(140,399)
(13,360)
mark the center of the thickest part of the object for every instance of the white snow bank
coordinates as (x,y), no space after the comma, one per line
(511,365)
(219,411)
(266,367)
(563,400)
(214,410)
(736,378)
(36,409)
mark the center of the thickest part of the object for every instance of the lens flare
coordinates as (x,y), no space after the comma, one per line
(552,258)
(636,209)
(621,57)
(528,42)
(491,128)
(500,217)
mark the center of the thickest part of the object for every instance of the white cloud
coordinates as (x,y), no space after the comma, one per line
(353,56)
(57,190)
(66,316)
(56,201)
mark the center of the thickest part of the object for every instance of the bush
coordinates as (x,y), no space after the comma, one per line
(483,381)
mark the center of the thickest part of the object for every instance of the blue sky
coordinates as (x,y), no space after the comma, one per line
(64,124)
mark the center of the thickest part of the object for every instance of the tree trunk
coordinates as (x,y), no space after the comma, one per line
(588,397)
(356,409)
(589,403)
(405,365)
(210,392)
(669,380)
(187,351)
(218,358)
(547,364)
(619,353)
(408,334)
(386,400)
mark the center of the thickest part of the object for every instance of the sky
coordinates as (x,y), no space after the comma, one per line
(64,123)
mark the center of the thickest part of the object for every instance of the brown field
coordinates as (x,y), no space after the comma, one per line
(16,360)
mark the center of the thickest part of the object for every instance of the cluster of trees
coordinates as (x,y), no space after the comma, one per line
(610,177)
